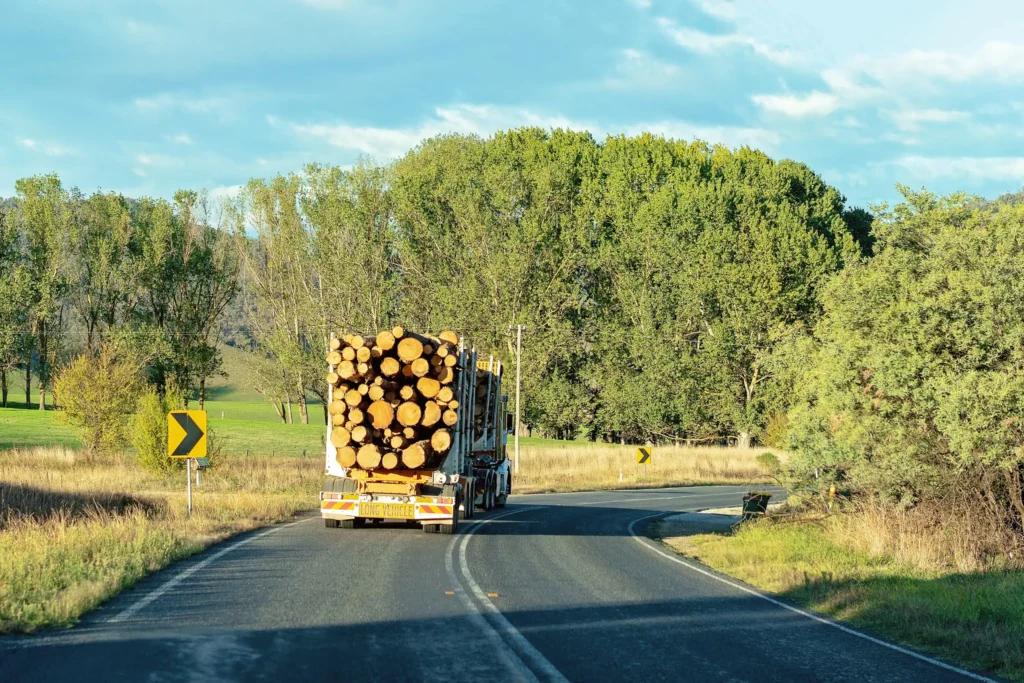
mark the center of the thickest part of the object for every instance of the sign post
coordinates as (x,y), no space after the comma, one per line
(643,456)
(186,440)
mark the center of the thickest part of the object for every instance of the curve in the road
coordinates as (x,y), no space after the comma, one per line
(553,588)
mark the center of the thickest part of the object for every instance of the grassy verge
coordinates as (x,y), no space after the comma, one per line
(580,466)
(911,591)
(75,531)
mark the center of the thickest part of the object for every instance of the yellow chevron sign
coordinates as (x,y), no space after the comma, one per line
(186,434)
(643,456)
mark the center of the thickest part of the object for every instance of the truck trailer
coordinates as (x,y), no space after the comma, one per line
(474,472)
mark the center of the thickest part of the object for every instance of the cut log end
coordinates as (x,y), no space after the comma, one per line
(416,455)
(382,413)
(409,414)
(409,349)
(346,457)
(420,367)
(390,461)
(340,438)
(368,456)
(441,441)
(431,414)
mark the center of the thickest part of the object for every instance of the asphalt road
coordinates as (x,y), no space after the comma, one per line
(553,587)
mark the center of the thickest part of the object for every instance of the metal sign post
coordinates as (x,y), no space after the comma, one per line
(188,478)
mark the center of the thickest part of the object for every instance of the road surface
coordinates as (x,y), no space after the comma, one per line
(552,588)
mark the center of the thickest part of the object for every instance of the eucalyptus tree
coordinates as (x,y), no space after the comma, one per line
(43,219)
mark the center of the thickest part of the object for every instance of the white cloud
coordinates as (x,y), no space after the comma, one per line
(977,168)
(721,9)
(225,191)
(639,70)
(641,4)
(708,43)
(798,106)
(157,160)
(182,139)
(911,119)
(484,120)
(139,172)
(50,149)
(167,102)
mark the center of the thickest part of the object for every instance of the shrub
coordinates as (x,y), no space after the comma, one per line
(149,429)
(774,434)
(770,462)
(97,394)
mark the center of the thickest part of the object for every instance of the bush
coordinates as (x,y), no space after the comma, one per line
(774,434)
(97,394)
(770,462)
(149,429)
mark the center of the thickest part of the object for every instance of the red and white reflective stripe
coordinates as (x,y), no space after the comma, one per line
(337,505)
(436,509)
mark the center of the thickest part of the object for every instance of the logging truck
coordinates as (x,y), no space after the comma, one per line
(416,432)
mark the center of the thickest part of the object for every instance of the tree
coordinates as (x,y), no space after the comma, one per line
(916,387)
(97,393)
(105,285)
(43,221)
(14,304)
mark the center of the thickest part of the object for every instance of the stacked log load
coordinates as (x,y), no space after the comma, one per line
(393,402)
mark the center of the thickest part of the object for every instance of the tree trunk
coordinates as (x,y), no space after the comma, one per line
(743,440)
(303,413)
(42,395)
(3,387)
(202,392)
(325,413)
(28,380)
(290,421)
(279,409)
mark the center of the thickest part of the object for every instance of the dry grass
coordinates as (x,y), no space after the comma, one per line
(932,578)
(589,467)
(74,531)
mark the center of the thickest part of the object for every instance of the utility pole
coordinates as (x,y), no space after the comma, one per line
(519,355)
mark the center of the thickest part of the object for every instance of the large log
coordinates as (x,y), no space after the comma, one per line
(363,354)
(346,456)
(429,387)
(416,455)
(376,392)
(441,441)
(450,337)
(357,342)
(333,358)
(445,375)
(450,417)
(337,407)
(348,353)
(335,344)
(406,392)
(420,367)
(398,331)
(445,394)
(382,413)
(368,456)
(353,397)
(451,360)
(390,461)
(340,437)
(431,414)
(397,441)
(359,434)
(409,414)
(389,367)
(386,340)
(333,379)
(409,349)
(356,415)
(346,369)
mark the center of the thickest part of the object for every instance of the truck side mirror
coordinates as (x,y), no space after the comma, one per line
(510,423)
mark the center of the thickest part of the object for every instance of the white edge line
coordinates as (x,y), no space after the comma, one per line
(519,642)
(129,611)
(516,666)
(822,620)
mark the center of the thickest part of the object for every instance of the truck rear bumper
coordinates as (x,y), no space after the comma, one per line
(417,508)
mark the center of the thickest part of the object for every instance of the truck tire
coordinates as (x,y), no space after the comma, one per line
(330,523)
(356,523)
(469,499)
(430,528)
(503,496)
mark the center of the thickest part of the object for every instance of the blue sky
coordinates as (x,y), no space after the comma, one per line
(147,97)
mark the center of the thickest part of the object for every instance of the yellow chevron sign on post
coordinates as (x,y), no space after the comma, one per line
(643,456)
(186,434)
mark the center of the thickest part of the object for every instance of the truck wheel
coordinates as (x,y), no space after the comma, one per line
(356,523)
(469,500)
(430,528)
(330,523)
(500,502)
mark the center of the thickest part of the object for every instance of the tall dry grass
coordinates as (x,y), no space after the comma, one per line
(586,467)
(75,530)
